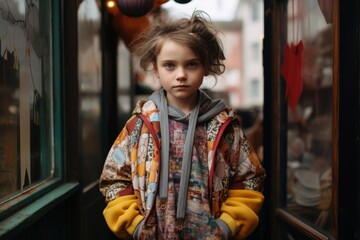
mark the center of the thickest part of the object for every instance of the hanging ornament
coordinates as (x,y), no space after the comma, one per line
(182,1)
(291,72)
(135,8)
(291,69)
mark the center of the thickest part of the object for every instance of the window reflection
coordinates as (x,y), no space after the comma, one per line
(309,140)
(26,156)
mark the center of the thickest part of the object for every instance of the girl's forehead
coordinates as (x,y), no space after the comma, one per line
(175,50)
(166,42)
(171,46)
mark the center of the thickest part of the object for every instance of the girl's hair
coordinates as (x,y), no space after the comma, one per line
(197,33)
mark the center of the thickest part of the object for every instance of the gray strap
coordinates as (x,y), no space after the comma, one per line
(165,141)
(186,163)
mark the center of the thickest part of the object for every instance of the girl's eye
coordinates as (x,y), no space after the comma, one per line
(169,66)
(192,65)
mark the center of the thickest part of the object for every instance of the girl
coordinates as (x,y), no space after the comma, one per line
(182,168)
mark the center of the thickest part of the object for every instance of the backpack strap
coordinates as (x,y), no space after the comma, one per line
(151,129)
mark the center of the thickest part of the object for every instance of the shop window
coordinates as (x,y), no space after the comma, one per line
(26,97)
(309,115)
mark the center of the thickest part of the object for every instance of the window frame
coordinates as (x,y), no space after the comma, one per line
(20,211)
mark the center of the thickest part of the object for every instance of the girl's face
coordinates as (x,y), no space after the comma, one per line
(181,74)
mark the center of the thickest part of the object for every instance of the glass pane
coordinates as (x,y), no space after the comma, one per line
(89,62)
(309,94)
(26,141)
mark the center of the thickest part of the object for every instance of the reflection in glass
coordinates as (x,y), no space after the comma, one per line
(26,156)
(309,136)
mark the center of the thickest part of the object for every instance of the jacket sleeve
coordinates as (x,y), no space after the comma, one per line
(122,216)
(244,199)
(239,212)
(121,213)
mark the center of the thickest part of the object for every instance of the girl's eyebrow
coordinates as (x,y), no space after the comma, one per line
(189,60)
(194,59)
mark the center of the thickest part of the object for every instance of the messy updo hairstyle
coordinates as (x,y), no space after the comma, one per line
(197,32)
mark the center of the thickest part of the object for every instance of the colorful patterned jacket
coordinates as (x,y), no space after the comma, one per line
(130,176)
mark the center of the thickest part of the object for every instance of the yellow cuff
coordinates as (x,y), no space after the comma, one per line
(122,216)
(239,212)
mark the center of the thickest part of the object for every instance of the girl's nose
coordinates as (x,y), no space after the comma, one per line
(181,74)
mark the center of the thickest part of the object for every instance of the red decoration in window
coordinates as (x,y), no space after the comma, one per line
(291,71)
